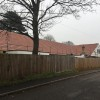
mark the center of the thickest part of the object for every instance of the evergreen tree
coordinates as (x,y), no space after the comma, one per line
(11,21)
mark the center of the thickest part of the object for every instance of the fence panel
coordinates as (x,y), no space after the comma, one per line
(87,63)
(14,66)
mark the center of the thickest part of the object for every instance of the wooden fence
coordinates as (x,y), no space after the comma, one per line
(19,66)
(87,63)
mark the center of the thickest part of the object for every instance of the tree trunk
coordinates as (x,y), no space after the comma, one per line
(35,27)
(35,38)
(35,44)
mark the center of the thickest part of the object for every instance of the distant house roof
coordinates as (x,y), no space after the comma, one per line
(89,48)
(12,41)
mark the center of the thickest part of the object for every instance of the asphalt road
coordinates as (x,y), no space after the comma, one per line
(80,88)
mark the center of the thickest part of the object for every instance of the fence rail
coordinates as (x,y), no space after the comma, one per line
(18,66)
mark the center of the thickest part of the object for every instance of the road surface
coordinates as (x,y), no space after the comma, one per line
(85,87)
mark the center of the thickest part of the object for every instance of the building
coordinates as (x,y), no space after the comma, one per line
(13,43)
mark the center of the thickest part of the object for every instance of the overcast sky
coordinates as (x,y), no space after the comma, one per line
(85,30)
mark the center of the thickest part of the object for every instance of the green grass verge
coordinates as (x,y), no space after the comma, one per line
(37,77)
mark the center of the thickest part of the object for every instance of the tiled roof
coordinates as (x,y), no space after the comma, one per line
(14,41)
(17,42)
(89,48)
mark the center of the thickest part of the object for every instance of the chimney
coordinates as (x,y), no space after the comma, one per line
(83,49)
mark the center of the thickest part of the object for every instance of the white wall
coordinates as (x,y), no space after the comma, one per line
(95,53)
(25,52)
(41,53)
(81,56)
(19,52)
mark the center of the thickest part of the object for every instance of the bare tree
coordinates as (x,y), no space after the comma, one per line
(49,37)
(39,15)
(68,43)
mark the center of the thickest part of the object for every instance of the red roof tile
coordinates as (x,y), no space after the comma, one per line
(13,41)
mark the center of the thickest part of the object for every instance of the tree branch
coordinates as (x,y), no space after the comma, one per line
(47,10)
